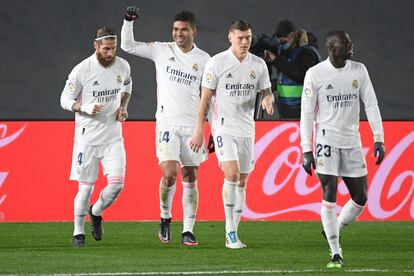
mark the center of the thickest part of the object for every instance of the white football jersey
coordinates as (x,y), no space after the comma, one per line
(178,76)
(331,97)
(90,82)
(236,85)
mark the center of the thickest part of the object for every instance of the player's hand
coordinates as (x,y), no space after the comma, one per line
(308,161)
(269,56)
(131,13)
(379,150)
(196,142)
(267,104)
(122,114)
(210,146)
(91,109)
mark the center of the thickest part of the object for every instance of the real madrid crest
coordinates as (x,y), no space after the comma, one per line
(209,77)
(321,162)
(354,84)
(195,67)
(119,79)
(252,74)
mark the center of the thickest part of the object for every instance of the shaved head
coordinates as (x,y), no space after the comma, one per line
(339,46)
(332,37)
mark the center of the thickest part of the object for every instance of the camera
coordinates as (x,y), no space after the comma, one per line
(263,42)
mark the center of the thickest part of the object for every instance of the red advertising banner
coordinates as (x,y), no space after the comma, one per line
(35,159)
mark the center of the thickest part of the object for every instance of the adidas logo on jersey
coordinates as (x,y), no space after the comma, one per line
(229,75)
(95,83)
(329,86)
(172,59)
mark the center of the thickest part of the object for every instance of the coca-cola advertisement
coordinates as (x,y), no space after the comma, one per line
(35,160)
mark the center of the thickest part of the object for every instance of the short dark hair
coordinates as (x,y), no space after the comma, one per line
(105,31)
(186,16)
(333,34)
(239,24)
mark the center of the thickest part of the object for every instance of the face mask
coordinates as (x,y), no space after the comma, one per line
(285,46)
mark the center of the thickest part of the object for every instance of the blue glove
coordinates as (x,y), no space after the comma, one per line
(379,150)
(132,13)
(308,161)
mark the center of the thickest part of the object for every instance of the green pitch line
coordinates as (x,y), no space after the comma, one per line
(273,248)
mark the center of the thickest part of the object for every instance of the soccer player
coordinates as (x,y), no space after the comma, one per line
(232,79)
(98,91)
(179,67)
(331,95)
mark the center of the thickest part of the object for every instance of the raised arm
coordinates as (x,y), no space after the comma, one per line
(128,43)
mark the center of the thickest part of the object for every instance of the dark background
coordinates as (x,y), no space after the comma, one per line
(41,41)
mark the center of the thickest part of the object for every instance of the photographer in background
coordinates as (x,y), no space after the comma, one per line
(295,56)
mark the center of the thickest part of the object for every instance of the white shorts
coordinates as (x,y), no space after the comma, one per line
(230,148)
(340,162)
(85,161)
(173,143)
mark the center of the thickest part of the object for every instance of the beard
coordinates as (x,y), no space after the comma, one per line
(104,62)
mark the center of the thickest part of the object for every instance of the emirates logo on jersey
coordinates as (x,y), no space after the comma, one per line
(195,67)
(354,84)
(252,74)
(119,79)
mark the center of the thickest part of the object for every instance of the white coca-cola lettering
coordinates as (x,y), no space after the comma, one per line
(379,180)
(269,186)
(4,141)
(299,177)
(3,176)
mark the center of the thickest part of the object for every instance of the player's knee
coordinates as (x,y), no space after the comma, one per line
(329,195)
(189,176)
(169,180)
(360,199)
(233,176)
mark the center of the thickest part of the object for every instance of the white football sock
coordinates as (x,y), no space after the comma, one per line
(81,205)
(108,195)
(229,194)
(166,199)
(190,203)
(240,200)
(349,213)
(330,225)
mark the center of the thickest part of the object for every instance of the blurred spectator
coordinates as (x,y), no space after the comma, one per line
(298,52)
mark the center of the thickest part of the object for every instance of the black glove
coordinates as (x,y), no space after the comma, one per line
(308,161)
(210,146)
(379,150)
(132,13)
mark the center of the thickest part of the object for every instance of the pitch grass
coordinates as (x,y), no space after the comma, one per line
(128,247)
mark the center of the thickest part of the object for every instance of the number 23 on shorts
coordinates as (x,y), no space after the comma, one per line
(323,150)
